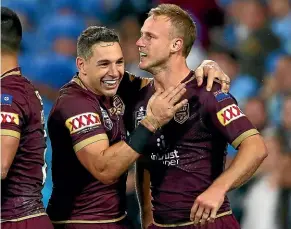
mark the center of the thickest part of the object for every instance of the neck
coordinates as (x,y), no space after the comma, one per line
(172,74)
(86,82)
(8,62)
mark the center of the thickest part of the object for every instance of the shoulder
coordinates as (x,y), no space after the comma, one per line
(17,87)
(133,81)
(215,97)
(73,100)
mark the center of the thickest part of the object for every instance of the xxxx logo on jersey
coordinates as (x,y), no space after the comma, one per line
(82,121)
(7,117)
(228,114)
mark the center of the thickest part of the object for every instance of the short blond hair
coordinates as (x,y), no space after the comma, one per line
(181,20)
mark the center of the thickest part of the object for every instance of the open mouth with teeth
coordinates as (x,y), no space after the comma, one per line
(110,83)
(142,54)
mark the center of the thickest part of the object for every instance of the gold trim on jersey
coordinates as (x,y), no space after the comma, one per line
(78,81)
(90,140)
(243,136)
(23,218)
(90,221)
(190,223)
(12,133)
(144,81)
(13,73)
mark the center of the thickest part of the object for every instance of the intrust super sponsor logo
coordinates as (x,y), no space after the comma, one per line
(82,121)
(228,114)
(8,117)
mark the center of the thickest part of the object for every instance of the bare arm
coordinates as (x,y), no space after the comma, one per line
(106,163)
(144,193)
(250,155)
(9,146)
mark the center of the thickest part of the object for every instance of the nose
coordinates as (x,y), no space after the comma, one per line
(113,71)
(139,42)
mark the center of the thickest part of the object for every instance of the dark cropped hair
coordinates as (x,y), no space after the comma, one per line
(94,35)
(11,30)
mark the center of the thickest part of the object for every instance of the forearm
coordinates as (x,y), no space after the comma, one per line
(249,157)
(118,157)
(9,146)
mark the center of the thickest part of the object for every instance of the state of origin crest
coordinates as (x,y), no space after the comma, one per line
(182,114)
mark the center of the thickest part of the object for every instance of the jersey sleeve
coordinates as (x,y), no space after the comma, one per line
(130,86)
(14,107)
(81,117)
(226,117)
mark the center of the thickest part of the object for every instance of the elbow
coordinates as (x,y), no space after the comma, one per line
(106,177)
(262,151)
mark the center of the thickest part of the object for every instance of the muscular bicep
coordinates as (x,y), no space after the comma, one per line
(91,157)
(9,146)
(107,163)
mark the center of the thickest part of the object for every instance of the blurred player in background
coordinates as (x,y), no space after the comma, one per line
(22,137)
(185,169)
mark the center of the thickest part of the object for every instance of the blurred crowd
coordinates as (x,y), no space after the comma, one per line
(249,39)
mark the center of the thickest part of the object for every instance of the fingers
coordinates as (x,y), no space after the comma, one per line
(179,105)
(198,215)
(177,97)
(167,92)
(155,95)
(212,71)
(213,215)
(199,75)
(194,210)
(212,74)
(225,84)
(173,92)
(201,213)
(205,216)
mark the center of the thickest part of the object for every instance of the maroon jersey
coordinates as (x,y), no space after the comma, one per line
(22,117)
(188,154)
(78,119)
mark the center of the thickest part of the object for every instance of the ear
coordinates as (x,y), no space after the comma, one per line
(81,65)
(177,45)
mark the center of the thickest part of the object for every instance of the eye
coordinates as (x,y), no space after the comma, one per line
(104,64)
(120,62)
(149,37)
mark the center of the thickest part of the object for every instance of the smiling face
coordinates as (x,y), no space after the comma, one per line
(105,69)
(100,61)
(155,43)
(169,31)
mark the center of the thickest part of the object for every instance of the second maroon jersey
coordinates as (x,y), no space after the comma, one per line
(22,117)
(188,153)
(80,118)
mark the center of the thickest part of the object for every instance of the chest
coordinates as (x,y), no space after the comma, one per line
(185,129)
(112,119)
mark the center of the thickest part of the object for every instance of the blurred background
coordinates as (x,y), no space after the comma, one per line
(249,39)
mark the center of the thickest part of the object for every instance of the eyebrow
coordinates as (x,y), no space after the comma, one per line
(104,61)
(148,33)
